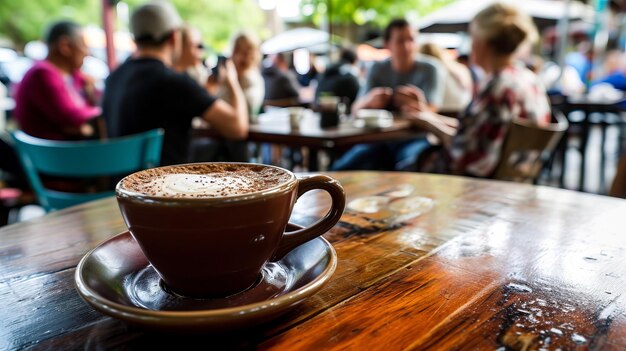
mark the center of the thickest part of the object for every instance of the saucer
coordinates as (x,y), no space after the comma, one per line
(116,279)
(370,118)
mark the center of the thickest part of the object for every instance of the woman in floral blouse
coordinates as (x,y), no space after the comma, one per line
(507,91)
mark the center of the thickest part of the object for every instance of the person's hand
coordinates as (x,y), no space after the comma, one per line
(228,72)
(89,88)
(86,130)
(89,80)
(83,131)
(212,84)
(377,98)
(409,98)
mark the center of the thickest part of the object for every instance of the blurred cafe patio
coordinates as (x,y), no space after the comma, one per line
(476,151)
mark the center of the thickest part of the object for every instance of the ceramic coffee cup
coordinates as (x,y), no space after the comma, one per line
(216,245)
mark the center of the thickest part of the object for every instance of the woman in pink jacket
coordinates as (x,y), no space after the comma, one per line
(54,99)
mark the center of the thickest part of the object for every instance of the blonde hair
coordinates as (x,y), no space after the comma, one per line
(432,49)
(247,39)
(504,27)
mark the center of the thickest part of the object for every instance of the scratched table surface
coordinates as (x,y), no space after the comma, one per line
(425,262)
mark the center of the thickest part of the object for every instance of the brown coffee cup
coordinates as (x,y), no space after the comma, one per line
(217,246)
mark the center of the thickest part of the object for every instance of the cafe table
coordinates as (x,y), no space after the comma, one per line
(424,262)
(274,128)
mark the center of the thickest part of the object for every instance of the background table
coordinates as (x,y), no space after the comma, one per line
(491,264)
(273,128)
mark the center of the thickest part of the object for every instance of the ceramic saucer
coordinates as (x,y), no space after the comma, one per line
(116,279)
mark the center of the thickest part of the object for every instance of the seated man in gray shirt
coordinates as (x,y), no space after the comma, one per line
(397,84)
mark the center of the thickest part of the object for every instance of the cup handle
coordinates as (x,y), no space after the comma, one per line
(291,240)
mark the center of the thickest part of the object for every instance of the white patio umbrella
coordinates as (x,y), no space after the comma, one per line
(295,39)
(445,40)
(456,16)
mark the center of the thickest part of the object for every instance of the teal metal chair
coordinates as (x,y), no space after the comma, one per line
(82,159)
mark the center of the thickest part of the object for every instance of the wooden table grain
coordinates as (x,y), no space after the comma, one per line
(484,265)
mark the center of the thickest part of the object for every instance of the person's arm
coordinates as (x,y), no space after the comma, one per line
(88,85)
(50,94)
(411,99)
(230,120)
(377,98)
(415,108)
(442,127)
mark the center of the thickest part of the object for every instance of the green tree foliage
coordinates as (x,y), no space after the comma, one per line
(218,21)
(25,20)
(375,12)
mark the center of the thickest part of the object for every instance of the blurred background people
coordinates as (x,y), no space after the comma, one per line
(581,60)
(394,83)
(246,58)
(281,87)
(55,100)
(614,72)
(341,79)
(190,60)
(145,93)
(457,87)
(400,83)
(509,91)
(312,75)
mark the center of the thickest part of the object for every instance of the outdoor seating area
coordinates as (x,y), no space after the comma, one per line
(313,175)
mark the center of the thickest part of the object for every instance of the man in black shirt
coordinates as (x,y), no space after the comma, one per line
(145,93)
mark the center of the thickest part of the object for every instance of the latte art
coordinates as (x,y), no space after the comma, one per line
(204,180)
(216,184)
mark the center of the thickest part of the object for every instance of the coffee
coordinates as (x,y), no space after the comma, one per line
(203,239)
(205,180)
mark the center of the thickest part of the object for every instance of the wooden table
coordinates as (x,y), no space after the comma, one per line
(492,265)
(274,128)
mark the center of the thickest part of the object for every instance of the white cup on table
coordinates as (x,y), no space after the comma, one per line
(375,118)
(296,114)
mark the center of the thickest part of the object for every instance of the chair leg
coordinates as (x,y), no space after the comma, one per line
(313,161)
(584,139)
(602,182)
(562,155)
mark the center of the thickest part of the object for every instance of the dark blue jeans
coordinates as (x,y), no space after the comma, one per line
(399,156)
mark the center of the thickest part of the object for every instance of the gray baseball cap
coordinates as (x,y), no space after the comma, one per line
(152,21)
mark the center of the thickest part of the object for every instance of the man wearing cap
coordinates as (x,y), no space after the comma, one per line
(146,93)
